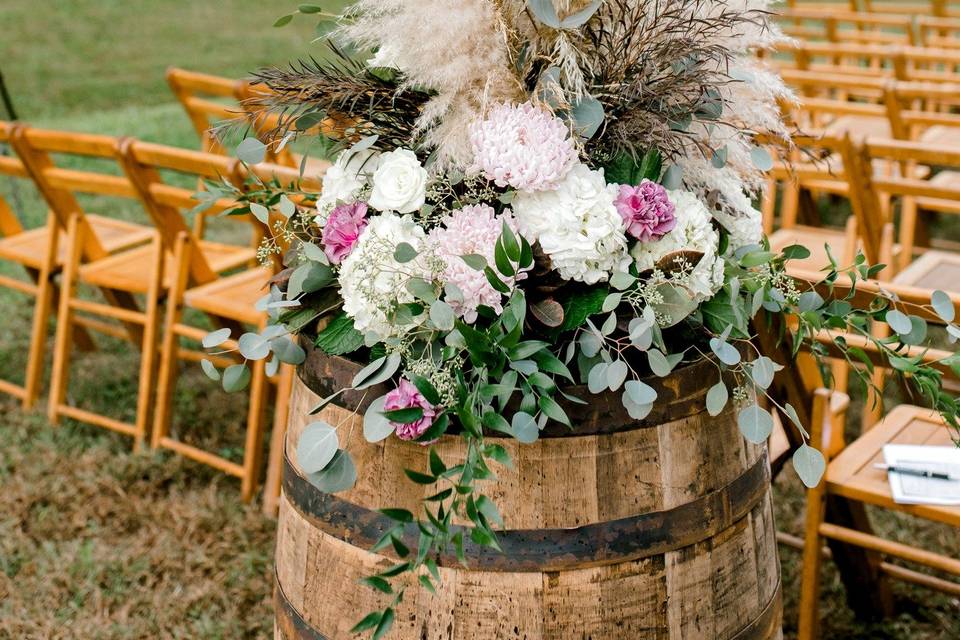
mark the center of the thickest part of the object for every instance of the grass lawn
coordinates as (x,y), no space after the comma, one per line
(98,543)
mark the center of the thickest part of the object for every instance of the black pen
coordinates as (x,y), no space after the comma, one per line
(933,475)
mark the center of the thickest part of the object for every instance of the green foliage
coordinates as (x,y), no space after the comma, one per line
(339,337)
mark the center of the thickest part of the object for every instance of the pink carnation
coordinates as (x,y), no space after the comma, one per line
(646,210)
(407,396)
(471,230)
(343,229)
(522,146)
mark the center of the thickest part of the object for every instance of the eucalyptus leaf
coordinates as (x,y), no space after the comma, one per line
(725,352)
(616,374)
(251,151)
(755,423)
(253,346)
(762,370)
(317,446)
(287,350)
(260,212)
(376,426)
(672,178)
(442,315)
(524,428)
(943,305)
(640,392)
(339,475)
(235,378)
(717,398)
(588,116)
(545,12)
(809,465)
(215,338)
(659,364)
(761,159)
(581,17)
(899,322)
(404,253)
(210,370)
(286,206)
(634,410)
(377,371)
(597,378)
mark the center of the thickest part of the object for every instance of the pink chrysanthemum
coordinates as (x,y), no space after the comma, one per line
(343,229)
(471,230)
(522,146)
(646,210)
(407,396)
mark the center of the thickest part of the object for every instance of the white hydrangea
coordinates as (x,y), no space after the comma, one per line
(372,281)
(577,225)
(345,178)
(694,232)
(744,229)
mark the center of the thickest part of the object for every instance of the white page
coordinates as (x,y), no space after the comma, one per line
(907,489)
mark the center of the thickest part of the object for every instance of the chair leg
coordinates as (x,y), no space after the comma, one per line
(148,351)
(810,580)
(41,317)
(60,374)
(271,490)
(254,439)
(169,363)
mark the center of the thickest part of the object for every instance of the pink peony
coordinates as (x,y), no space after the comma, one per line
(407,396)
(522,146)
(646,210)
(343,229)
(471,230)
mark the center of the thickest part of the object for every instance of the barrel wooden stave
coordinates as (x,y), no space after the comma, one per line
(715,587)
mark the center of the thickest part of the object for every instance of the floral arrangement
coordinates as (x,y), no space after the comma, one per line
(526,195)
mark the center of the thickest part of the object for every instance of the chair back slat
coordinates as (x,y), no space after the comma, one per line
(59,186)
(194,91)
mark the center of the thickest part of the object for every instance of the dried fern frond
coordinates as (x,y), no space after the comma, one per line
(291,101)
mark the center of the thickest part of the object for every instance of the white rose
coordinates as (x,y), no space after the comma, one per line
(344,179)
(399,183)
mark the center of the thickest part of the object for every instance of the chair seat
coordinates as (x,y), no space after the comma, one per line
(949,179)
(942,135)
(859,127)
(852,473)
(233,296)
(814,239)
(933,270)
(30,247)
(130,270)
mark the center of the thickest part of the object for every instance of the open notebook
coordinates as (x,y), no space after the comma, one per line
(908,489)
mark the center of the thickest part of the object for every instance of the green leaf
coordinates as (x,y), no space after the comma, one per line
(339,475)
(286,206)
(616,375)
(339,337)
(524,427)
(317,446)
(809,465)
(725,352)
(404,253)
(442,315)
(796,252)
(545,12)
(210,370)
(549,312)
(405,415)
(581,305)
(524,350)
(261,213)
(640,392)
(581,17)
(236,378)
(376,427)
(369,621)
(899,322)
(943,305)
(419,478)
(588,116)
(251,150)
(385,623)
(762,370)
(755,423)
(426,388)
(659,364)
(717,398)
(761,159)
(253,346)
(918,332)
(378,371)
(309,8)
(307,278)
(475,261)
(809,301)
(215,338)
(673,177)
(553,410)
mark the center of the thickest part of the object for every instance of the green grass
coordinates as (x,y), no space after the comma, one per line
(98,543)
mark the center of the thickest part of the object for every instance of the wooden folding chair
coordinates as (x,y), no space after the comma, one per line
(41,251)
(227,300)
(121,275)
(210,99)
(851,474)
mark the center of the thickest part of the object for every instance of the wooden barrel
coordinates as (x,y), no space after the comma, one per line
(618,529)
